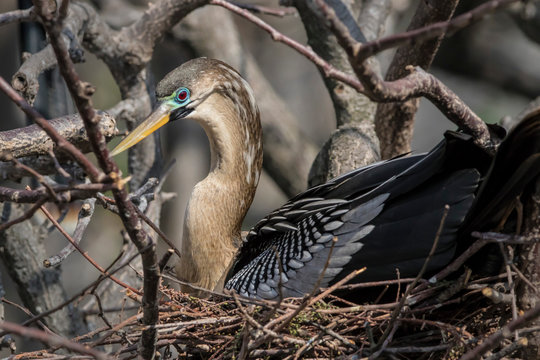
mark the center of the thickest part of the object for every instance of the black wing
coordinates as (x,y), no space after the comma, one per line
(394,205)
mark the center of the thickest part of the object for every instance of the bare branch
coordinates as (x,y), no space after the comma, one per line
(394,121)
(33,140)
(417,83)
(327,69)
(94,173)
(420,31)
(65,193)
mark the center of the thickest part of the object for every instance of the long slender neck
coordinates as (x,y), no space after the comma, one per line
(218,204)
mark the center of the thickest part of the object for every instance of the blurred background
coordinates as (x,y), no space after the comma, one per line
(492,66)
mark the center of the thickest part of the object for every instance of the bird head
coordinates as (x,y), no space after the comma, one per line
(184,90)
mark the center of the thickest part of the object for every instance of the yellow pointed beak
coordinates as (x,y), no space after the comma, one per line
(156,120)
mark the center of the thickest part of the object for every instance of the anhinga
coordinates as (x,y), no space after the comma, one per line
(384,216)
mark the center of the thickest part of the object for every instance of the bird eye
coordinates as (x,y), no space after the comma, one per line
(182,96)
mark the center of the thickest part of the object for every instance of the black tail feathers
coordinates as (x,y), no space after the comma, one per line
(516,165)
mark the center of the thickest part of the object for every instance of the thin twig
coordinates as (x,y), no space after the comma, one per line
(93,172)
(259,9)
(432,30)
(27,312)
(84,253)
(51,339)
(85,215)
(324,66)
(59,167)
(27,215)
(40,178)
(399,308)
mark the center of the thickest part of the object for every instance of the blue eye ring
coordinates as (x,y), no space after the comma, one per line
(182,96)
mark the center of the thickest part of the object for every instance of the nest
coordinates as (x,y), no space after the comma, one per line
(449,320)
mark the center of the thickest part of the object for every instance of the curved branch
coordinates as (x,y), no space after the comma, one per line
(394,122)
(417,83)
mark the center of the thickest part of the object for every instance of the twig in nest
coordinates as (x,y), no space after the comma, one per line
(516,345)
(496,296)
(511,285)
(399,308)
(494,339)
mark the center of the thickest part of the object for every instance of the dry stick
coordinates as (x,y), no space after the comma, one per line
(81,93)
(165,259)
(493,340)
(417,349)
(93,172)
(524,279)
(511,284)
(456,330)
(27,215)
(398,309)
(430,31)
(84,253)
(505,238)
(65,193)
(85,215)
(483,239)
(51,339)
(349,287)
